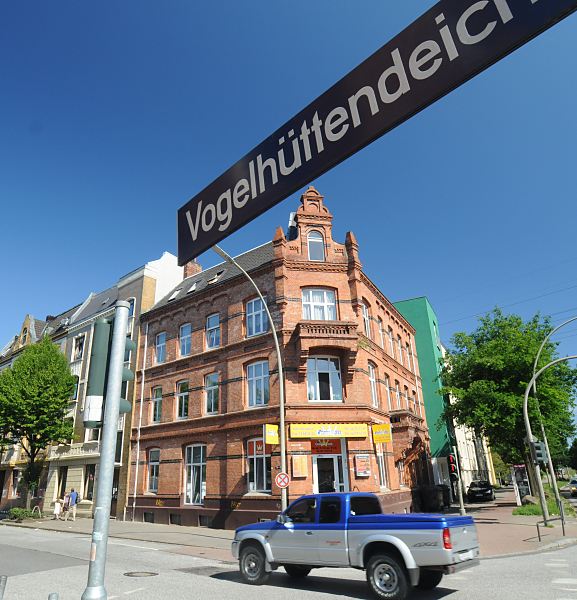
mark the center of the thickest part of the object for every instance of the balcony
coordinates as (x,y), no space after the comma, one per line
(331,337)
(72,451)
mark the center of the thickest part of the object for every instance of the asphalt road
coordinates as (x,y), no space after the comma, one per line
(40,562)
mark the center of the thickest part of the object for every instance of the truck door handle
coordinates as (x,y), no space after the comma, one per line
(309,532)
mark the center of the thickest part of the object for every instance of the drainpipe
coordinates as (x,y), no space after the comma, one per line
(139,422)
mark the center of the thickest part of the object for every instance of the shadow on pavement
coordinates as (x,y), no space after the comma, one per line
(326,585)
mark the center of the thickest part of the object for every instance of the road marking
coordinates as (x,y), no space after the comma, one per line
(131,546)
(557,565)
(134,591)
(564,582)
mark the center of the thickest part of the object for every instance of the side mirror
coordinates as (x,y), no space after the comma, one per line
(281,519)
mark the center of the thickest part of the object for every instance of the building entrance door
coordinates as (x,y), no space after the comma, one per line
(328,473)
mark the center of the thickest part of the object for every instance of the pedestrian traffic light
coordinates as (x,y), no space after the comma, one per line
(453,468)
(98,374)
(538,452)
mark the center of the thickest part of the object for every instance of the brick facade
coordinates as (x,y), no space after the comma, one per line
(339,347)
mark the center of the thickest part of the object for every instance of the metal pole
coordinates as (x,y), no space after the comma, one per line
(550,461)
(459,488)
(283,466)
(530,433)
(95,589)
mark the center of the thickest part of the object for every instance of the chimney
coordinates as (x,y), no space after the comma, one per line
(191,268)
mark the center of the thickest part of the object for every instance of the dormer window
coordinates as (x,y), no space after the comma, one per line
(24,336)
(316,244)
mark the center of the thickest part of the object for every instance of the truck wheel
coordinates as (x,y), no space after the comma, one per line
(297,571)
(429,579)
(387,578)
(251,562)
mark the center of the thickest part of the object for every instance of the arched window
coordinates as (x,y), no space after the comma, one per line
(316,244)
(24,336)
(373,380)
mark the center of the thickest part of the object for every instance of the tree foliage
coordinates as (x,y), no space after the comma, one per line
(487,373)
(35,395)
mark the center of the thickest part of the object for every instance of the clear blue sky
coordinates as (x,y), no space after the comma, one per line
(113,114)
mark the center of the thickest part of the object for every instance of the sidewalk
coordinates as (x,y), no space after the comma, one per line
(500,533)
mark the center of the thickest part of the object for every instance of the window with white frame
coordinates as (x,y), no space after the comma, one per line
(258,468)
(381,332)
(213,331)
(153,470)
(256,318)
(388,390)
(406,394)
(409,357)
(92,435)
(400,464)
(130,325)
(211,392)
(78,350)
(366,319)
(185,339)
(156,404)
(324,379)
(161,347)
(400,349)
(391,342)
(398,395)
(414,402)
(382,465)
(258,383)
(319,305)
(182,396)
(316,246)
(373,380)
(195,465)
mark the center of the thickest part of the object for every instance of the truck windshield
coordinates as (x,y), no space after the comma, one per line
(365,505)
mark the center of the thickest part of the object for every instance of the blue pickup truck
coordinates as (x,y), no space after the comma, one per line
(397,552)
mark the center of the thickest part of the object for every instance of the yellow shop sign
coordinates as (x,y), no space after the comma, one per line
(271,435)
(382,433)
(328,430)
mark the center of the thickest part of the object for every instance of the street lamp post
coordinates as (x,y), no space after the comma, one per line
(550,461)
(282,434)
(530,433)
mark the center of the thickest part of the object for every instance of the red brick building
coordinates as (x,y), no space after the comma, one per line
(208,383)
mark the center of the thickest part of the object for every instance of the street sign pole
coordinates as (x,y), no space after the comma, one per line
(282,432)
(95,589)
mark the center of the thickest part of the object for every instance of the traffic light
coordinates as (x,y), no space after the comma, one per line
(453,468)
(539,452)
(98,374)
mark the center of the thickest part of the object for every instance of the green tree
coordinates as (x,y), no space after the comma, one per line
(572,462)
(35,395)
(487,373)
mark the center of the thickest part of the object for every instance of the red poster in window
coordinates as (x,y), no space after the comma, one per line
(331,446)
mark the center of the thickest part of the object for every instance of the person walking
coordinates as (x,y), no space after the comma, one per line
(72,502)
(57,509)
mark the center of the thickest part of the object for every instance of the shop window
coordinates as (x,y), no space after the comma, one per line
(195,465)
(316,246)
(213,331)
(319,305)
(185,339)
(89,476)
(156,405)
(153,470)
(258,383)
(382,466)
(211,392)
(161,348)
(373,381)
(182,395)
(259,474)
(324,379)
(256,318)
